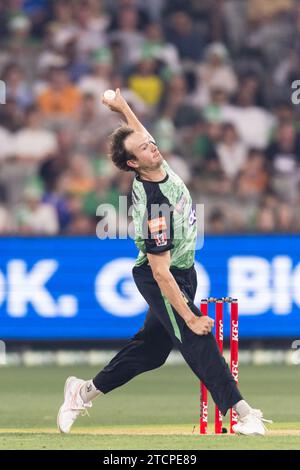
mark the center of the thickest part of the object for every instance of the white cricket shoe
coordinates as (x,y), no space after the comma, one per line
(72,406)
(252,424)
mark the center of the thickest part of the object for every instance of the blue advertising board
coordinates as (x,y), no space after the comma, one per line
(82,287)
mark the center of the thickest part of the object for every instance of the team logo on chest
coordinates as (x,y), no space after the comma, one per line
(161,239)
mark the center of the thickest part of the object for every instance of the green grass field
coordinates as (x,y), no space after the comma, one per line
(157,410)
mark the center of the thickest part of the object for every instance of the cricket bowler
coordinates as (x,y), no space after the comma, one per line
(164,273)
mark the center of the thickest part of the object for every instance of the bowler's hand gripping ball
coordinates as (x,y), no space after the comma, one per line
(109,95)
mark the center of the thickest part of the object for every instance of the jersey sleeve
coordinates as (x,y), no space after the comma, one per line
(158,225)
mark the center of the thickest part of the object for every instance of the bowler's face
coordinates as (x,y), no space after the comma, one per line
(145,151)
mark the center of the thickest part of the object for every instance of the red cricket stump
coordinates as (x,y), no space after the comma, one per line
(234,352)
(219,339)
(203,389)
(234,360)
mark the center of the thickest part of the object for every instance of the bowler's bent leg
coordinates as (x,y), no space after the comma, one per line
(147,350)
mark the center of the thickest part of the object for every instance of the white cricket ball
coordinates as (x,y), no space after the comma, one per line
(109,95)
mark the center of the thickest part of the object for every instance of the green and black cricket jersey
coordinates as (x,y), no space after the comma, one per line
(164,219)
(169,225)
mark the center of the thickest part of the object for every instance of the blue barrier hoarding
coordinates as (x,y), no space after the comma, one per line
(82,287)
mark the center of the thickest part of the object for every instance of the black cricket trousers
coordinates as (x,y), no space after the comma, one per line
(163,329)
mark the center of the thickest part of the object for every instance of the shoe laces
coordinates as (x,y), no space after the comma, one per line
(84,411)
(77,403)
(82,406)
(258,414)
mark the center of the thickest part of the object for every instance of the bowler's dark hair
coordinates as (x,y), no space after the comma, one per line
(117,151)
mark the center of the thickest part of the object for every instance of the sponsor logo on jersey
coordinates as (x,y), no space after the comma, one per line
(192,216)
(157,225)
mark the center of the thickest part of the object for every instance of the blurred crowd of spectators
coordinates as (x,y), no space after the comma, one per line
(211,79)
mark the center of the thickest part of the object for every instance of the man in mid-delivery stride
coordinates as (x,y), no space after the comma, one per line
(165,276)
